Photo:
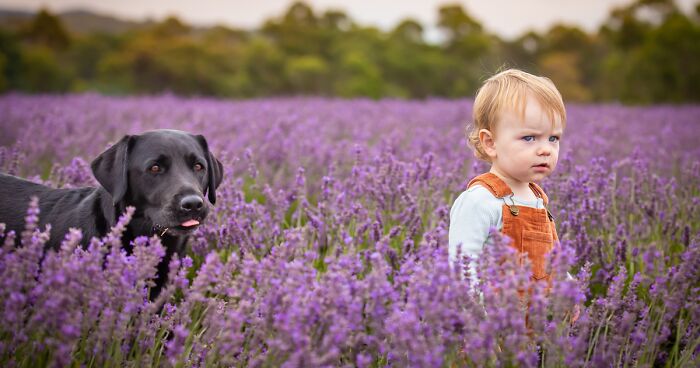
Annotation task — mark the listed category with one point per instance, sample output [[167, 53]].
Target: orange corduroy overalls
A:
[[531, 229]]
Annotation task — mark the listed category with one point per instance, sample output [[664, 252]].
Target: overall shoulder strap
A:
[[493, 183], [540, 193]]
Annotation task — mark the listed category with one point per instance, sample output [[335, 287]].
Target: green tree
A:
[[627, 26], [356, 63], [645, 52], [171, 27], [46, 29], [11, 69], [522, 51], [653, 54], [169, 57], [358, 76], [307, 74], [563, 69], [665, 68], [412, 67], [261, 70], [457, 22], [336, 20], [408, 31], [468, 47], [564, 55], [85, 55], [222, 36], [297, 32], [41, 71], [465, 35]]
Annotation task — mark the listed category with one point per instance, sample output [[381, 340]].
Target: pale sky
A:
[[506, 18]]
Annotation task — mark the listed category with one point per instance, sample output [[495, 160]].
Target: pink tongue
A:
[[189, 223]]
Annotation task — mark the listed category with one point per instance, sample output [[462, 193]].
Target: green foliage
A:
[[42, 71], [87, 52], [307, 74], [260, 74], [11, 64], [360, 77], [169, 60], [46, 29], [645, 52], [3, 80], [563, 68], [665, 67]]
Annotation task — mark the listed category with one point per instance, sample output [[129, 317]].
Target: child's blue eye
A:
[[553, 139], [529, 138]]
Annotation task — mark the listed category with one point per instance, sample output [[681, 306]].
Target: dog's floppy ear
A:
[[215, 173], [110, 168]]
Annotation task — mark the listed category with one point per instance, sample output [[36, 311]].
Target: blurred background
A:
[[636, 52]]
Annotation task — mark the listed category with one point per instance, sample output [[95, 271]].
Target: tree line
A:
[[645, 52]]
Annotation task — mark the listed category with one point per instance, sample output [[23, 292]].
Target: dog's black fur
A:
[[157, 172]]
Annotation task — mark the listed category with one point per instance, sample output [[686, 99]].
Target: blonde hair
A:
[[509, 90]]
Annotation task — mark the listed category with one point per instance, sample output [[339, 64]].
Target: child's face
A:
[[523, 143]]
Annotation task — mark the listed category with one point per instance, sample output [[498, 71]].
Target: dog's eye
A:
[[198, 167], [155, 169]]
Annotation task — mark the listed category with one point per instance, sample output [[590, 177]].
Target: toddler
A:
[[519, 120]]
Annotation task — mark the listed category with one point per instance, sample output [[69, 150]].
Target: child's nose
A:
[[544, 150]]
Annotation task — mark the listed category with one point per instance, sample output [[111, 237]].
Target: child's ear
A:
[[487, 142]]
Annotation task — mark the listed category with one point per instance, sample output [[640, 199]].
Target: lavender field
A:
[[328, 242]]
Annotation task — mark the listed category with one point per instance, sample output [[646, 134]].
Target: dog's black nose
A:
[[191, 203]]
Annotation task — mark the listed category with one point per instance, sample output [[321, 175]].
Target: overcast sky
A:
[[506, 18]]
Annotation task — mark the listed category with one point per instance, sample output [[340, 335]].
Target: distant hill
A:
[[13, 19], [76, 21], [84, 21]]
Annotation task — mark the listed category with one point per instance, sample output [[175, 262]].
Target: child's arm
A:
[[473, 214]]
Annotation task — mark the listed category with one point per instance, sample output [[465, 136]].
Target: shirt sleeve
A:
[[473, 214]]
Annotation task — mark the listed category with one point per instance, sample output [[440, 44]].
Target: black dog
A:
[[164, 174]]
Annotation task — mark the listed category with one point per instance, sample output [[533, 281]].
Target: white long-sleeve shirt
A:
[[473, 213]]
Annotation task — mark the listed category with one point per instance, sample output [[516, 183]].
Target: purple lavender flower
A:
[[327, 246]]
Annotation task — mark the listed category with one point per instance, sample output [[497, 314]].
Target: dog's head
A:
[[165, 175]]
